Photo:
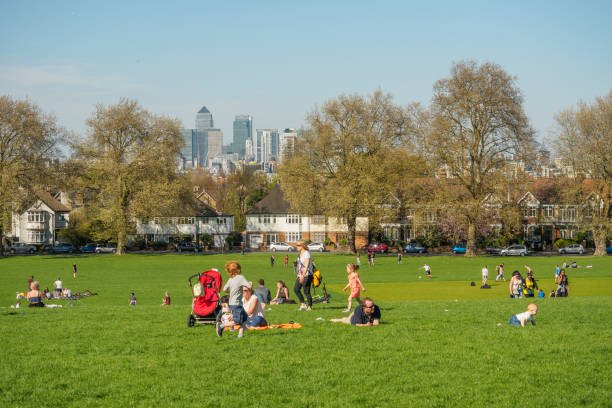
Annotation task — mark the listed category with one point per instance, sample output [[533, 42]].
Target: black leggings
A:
[[297, 288]]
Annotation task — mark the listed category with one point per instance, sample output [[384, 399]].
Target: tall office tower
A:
[[243, 130], [204, 119], [215, 142], [187, 150], [266, 145], [287, 143], [204, 122], [249, 154]]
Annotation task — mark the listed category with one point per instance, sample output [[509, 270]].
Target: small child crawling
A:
[[522, 318]]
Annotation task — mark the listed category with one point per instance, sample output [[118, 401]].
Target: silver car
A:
[[281, 246], [20, 248], [316, 247], [516, 250], [106, 249], [572, 249]]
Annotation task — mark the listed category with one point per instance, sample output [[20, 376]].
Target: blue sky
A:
[[277, 60]]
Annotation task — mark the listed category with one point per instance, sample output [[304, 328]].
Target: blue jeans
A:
[[514, 321], [256, 321], [238, 314]]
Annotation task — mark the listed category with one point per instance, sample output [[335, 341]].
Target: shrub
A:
[[562, 242], [158, 245], [328, 242], [343, 241]]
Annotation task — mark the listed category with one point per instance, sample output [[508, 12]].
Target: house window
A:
[[37, 236], [204, 220], [36, 216], [318, 219], [271, 238], [571, 213], [293, 219], [221, 221], [293, 236], [266, 219], [318, 237], [548, 211], [530, 212]]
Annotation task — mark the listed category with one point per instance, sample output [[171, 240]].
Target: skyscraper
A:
[[215, 142], [203, 123], [266, 145], [187, 150], [243, 130], [287, 143], [204, 119]]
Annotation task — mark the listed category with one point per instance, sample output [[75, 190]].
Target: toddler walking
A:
[[522, 318], [354, 283], [234, 286]]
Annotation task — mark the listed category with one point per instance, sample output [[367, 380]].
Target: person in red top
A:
[[286, 260], [166, 300], [30, 282]]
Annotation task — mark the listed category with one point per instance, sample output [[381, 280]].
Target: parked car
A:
[[517, 250], [414, 248], [376, 247], [459, 249], [62, 248], [88, 248], [281, 246], [572, 249], [188, 247], [609, 250], [20, 248], [106, 248], [493, 250], [316, 247]]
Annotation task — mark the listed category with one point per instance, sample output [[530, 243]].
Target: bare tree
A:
[[478, 121], [339, 168], [584, 138], [28, 141], [130, 158]]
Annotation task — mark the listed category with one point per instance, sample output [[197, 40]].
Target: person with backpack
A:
[[304, 277]]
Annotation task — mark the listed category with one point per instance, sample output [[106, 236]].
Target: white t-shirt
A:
[[234, 287], [58, 284], [304, 257], [426, 267], [485, 272], [258, 309], [526, 316]]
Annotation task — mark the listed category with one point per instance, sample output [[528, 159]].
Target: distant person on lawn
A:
[[132, 299], [366, 314], [304, 277], [166, 300], [354, 283], [282, 294], [500, 273], [34, 296], [427, 269], [485, 275], [58, 287]]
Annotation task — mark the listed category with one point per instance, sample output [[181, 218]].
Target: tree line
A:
[[358, 154]]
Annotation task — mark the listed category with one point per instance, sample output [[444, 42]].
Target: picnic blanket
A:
[[271, 326]]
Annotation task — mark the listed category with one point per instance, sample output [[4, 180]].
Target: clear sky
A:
[[277, 60]]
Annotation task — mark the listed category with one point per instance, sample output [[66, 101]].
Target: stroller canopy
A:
[[206, 302]]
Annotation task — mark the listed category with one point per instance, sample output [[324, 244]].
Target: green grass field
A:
[[438, 345]]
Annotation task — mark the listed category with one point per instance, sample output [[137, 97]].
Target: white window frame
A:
[[293, 236]]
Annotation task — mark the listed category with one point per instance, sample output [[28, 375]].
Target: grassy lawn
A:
[[439, 344]]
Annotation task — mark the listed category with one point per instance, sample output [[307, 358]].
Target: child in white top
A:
[[234, 286], [522, 318]]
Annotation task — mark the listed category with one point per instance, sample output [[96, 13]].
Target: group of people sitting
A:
[[524, 287], [35, 297]]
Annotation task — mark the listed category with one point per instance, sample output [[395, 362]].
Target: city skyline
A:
[[276, 63]]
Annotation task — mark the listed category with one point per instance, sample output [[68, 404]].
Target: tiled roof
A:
[[51, 202], [273, 203]]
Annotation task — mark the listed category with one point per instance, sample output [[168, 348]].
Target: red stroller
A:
[[205, 291]]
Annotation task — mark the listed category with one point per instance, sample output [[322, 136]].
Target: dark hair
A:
[[261, 282], [282, 283], [224, 299]]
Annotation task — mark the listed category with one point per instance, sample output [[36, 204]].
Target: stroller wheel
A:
[[190, 321]]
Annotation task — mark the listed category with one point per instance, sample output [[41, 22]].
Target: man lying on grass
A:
[[366, 314]]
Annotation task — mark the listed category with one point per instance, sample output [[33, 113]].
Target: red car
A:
[[376, 247]]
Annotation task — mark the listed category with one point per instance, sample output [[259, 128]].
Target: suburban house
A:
[[205, 221], [272, 220], [40, 221]]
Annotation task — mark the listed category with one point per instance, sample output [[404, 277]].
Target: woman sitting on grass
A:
[[34, 296], [282, 294], [253, 309]]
